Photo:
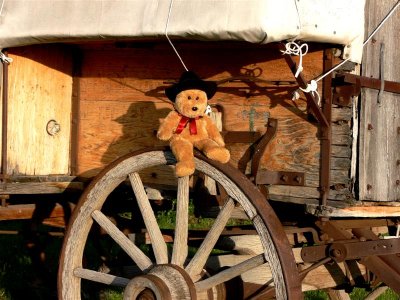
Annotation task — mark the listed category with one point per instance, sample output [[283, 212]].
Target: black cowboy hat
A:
[[189, 80]]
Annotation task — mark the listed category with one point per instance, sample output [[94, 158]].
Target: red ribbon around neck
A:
[[184, 121]]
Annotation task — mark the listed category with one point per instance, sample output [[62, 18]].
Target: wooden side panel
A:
[[379, 170], [40, 89], [121, 99]]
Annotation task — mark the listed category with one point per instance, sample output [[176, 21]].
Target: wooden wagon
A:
[[315, 184]]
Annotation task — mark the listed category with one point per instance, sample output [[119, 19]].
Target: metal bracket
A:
[[279, 177], [341, 251], [367, 82], [381, 71], [259, 151], [343, 91]]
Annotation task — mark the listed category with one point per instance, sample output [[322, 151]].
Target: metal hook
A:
[[381, 71]]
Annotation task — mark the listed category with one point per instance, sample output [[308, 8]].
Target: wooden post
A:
[[379, 156]]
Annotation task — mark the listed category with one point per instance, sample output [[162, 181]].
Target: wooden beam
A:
[[26, 211], [356, 211], [39, 187]]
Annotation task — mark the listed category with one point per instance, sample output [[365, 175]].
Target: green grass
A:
[[166, 219], [112, 295], [356, 294]]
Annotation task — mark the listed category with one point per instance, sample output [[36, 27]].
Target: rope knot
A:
[[5, 59], [292, 48], [311, 87]]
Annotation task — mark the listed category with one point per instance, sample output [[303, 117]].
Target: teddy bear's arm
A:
[[167, 127], [213, 132]]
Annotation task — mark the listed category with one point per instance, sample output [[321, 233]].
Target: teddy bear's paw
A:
[[164, 136], [219, 154], [184, 168]]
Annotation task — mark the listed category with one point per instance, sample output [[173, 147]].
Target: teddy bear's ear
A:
[[171, 92], [210, 88]]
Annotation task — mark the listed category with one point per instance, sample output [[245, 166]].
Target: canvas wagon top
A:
[[256, 21]]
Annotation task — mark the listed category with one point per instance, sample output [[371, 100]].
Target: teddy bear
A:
[[189, 126]]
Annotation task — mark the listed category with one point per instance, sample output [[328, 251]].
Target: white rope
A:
[[312, 88], [166, 35], [292, 48], [5, 59], [365, 42]]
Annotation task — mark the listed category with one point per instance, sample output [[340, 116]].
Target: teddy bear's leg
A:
[[183, 151], [212, 150]]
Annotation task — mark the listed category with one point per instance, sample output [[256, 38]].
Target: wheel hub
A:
[[164, 281]]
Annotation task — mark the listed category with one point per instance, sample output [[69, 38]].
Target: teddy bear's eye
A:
[[197, 98], [189, 97]]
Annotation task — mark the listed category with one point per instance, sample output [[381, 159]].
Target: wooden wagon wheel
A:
[[174, 276]]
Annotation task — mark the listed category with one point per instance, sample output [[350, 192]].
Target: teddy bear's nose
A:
[[194, 108]]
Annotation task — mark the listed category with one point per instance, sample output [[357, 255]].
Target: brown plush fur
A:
[[208, 139]]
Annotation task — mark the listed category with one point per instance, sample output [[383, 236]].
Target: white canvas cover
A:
[[24, 22]]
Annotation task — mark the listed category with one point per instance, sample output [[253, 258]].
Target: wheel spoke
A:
[[180, 248], [230, 273], [101, 277], [157, 240], [130, 248], [197, 263]]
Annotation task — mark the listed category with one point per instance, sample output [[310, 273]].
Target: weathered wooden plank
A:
[[26, 211], [342, 128], [39, 90], [307, 192], [341, 151], [380, 122], [39, 187], [341, 140], [329, 276], [341, 114], [339, 163], [326, 276], [337, 177], [358, 211], [43, 178]]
